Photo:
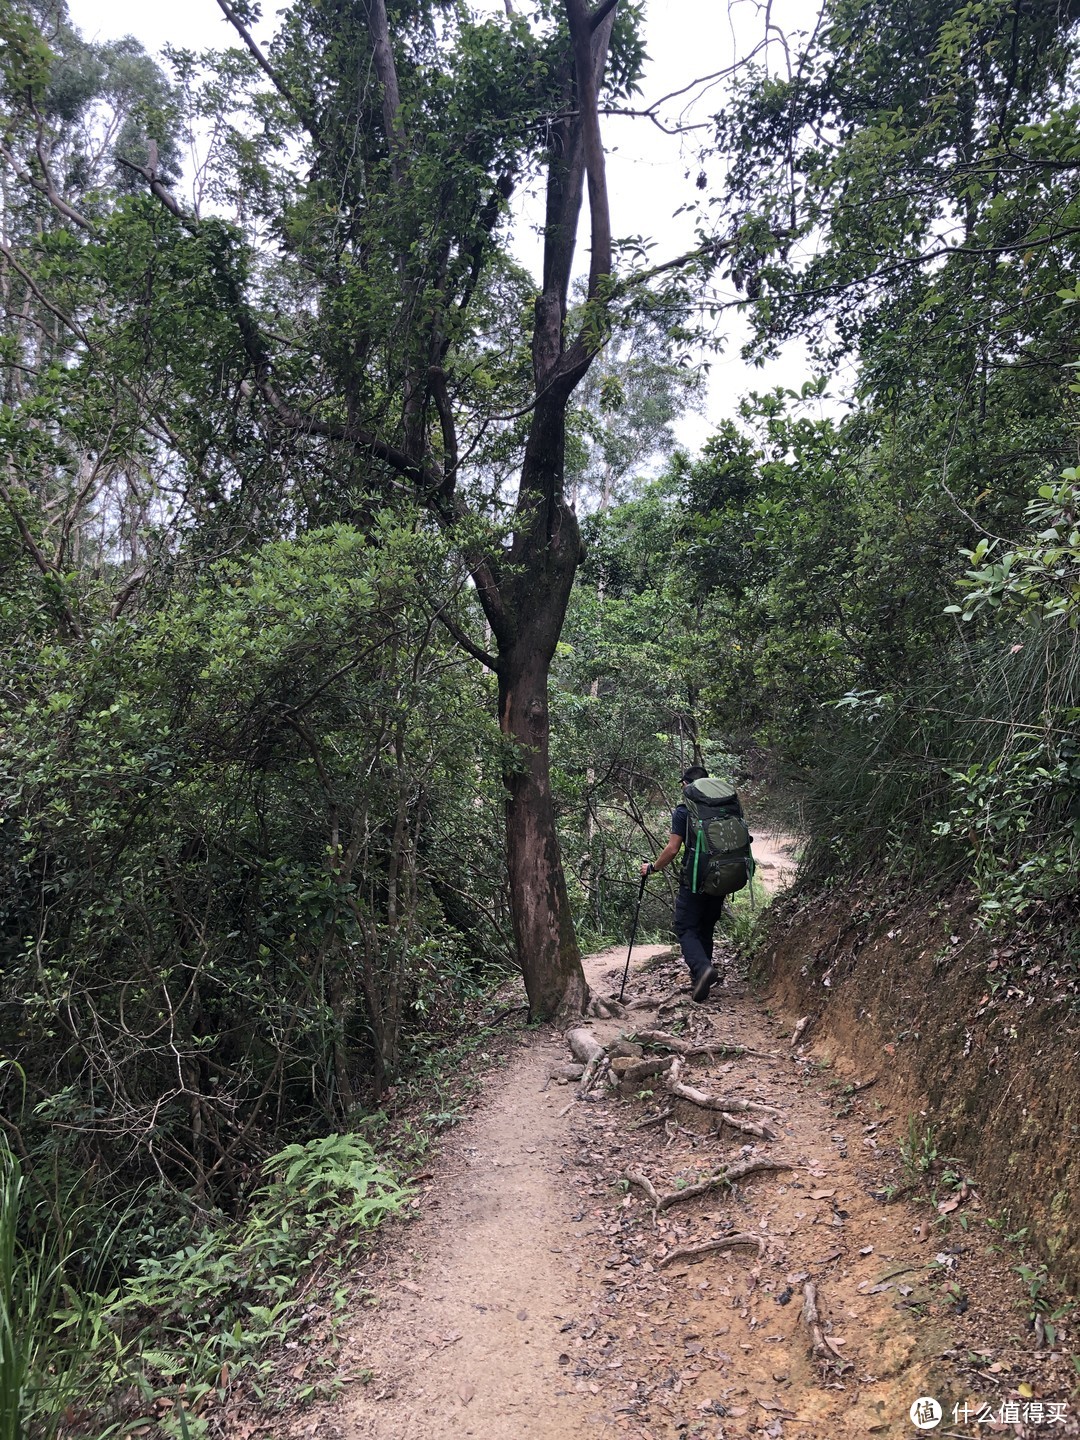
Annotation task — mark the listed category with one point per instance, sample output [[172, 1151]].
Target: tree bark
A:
[[547, 548], [544, 558]]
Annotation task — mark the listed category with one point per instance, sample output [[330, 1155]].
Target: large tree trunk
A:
[[543, 927], [543, 559]]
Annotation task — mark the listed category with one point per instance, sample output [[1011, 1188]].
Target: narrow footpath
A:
[[549, 1287]]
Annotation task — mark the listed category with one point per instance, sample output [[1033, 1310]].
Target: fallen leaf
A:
[[452, 1336], [466, 1391], [822, 1194], [946, 1207]]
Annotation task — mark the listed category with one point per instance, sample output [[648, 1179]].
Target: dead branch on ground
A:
[[813, 1323], [825, 1351], [657, 1119]]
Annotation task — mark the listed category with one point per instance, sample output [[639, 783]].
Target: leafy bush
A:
[[183, 1323], [247, 838]]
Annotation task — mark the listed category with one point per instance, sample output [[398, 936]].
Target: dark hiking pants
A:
[[696, 917]]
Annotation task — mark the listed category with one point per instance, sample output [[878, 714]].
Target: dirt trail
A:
[[530, 1301], [469, 1331]]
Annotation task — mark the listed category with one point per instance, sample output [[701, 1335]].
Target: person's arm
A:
[[667, 854]]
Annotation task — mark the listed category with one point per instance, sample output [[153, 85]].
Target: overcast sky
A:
[[647, 169]]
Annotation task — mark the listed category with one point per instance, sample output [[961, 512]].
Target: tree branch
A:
[[43, 299], [47, 188], [462, 638], [386, 70], [302, 113], [43, 563]]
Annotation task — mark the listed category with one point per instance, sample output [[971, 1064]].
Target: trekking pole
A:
[[633, 934]]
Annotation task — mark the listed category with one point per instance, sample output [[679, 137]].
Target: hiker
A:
[[709, 821]]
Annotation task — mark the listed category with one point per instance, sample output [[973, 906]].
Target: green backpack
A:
[[718, 859]]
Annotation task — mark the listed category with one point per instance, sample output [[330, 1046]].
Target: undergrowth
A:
[[115, 1319], [102, 1352]]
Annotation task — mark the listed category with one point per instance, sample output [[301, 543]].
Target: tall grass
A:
[[974, 768], [30, 1279], [12, 1355], [86, 1333]]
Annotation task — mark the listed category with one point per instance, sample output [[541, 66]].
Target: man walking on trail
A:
[[697, 913]]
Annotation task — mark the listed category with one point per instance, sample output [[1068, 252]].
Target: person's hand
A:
[[647, 868]]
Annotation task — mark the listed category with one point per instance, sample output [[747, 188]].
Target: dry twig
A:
[[813, 1322]]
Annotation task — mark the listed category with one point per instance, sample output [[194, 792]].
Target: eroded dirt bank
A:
[[538, 1294], [978, 1040]]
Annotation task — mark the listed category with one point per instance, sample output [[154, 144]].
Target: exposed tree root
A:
[[605, 1009], [748, 1127], [729, 1104], [565, 1071], [722, 1242], [635, 1177], [634, 1070], [722, 1178], [585, 1047], [688, 1049], [797, 1033]]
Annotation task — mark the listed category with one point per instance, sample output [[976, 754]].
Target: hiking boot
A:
[[703, 984]]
